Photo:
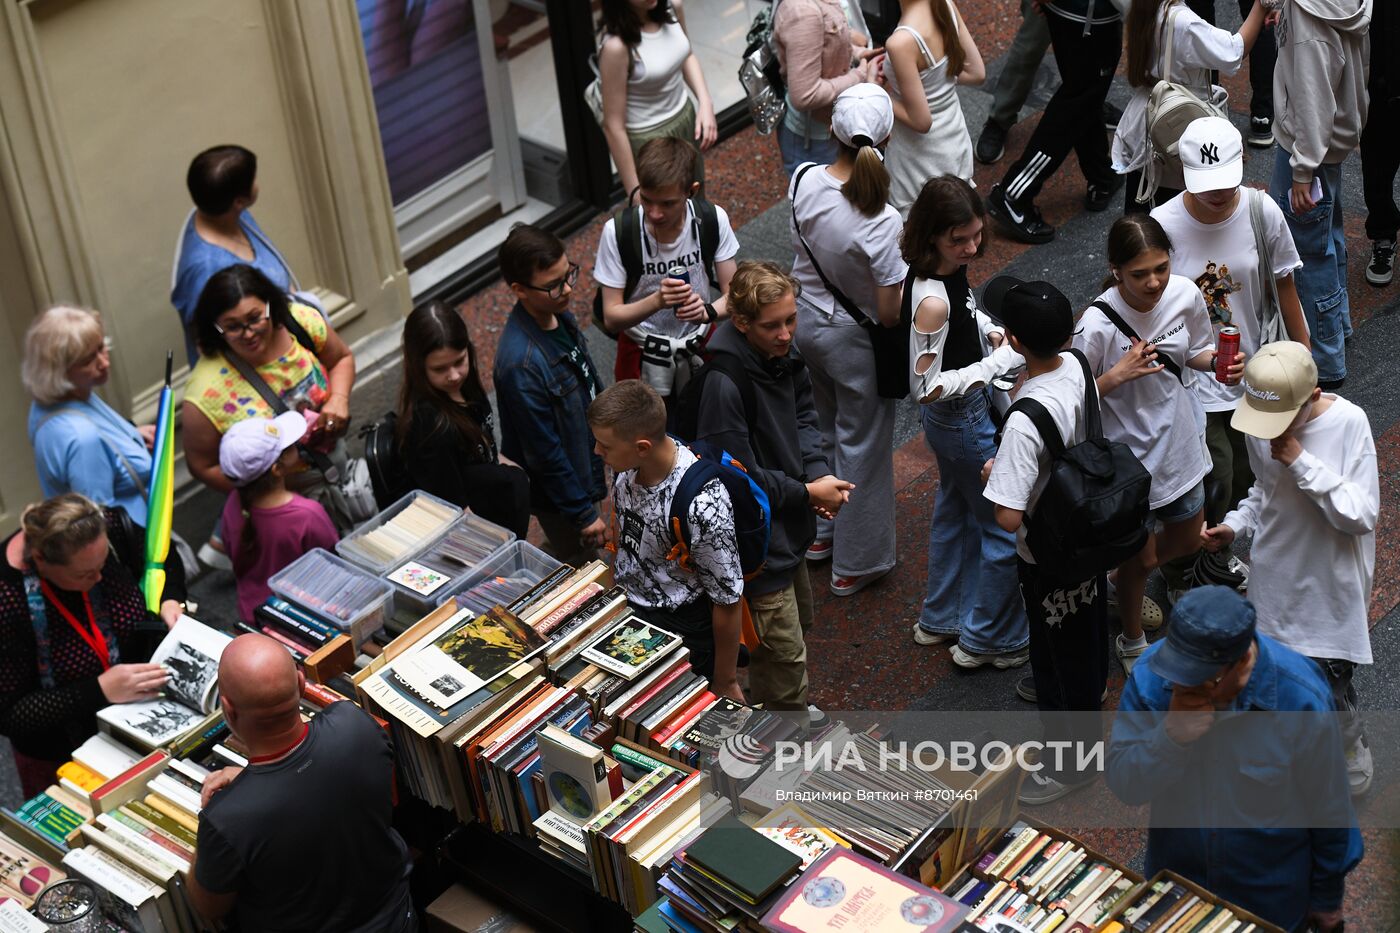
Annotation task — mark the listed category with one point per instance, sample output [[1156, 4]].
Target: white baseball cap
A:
[[252, 446], [1212, 155], [862, 112]]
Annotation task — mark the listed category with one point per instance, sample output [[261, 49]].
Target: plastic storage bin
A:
[[379, 554], [517, 567], [337, 591], [421, 582]]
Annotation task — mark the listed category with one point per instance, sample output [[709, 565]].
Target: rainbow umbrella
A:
[[161, 506]]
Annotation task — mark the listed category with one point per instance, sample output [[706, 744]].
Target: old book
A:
[[129, 898], [631, 647], [472, 651], [15, 919], [846, 890], [790, 827], [743, 859], [104, 755]]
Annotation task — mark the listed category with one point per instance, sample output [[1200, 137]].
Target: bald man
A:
[[301, 838]]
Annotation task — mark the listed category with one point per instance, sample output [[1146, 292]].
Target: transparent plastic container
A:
[[336, 590], [505, 576], [356, 546], [421, 582]]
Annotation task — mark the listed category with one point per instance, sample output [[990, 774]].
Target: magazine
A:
[[472, 651]]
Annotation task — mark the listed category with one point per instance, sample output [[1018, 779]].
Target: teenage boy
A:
[[661, 321], [756, 403], [545, 380], [1087, 36], [1316, 482], [700, 603], [1320, 104], [1068, 625]]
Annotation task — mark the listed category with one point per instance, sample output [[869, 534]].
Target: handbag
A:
[[761, 75], [1171, 108], [1272, 328], [349, 491], [890, 344]]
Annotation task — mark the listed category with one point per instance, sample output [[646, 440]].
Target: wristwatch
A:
[[711, 313]]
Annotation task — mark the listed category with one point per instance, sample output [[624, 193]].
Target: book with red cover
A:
[[862, 896]]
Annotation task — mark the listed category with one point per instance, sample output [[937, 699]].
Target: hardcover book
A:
[[860, 896], [630, 647], [575, 774]]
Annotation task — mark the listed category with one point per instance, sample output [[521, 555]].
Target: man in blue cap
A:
[[1203, 737]]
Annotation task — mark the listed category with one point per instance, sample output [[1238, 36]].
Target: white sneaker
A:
[[1127, 656], [972, 660], [1360, 768], [212, 557], [923, 637]]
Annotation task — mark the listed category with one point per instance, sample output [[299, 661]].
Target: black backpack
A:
[[386, 470], [1093, 513], [629, 247], [685, 417]]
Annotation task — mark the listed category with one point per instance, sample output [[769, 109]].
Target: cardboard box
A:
[[462, 910], [1263, 926]]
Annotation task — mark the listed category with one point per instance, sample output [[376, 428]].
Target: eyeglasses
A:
[[555, 290], [247, 327]]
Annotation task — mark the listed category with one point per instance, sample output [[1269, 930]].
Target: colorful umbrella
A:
[[161, 507]]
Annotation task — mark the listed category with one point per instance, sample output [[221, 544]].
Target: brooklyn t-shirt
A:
[[644, 539]]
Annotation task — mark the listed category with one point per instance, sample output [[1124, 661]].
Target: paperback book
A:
[[630, 647]]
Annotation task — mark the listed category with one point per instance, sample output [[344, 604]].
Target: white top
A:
[[946, 148], [1157, 417], [644, 540], [857, 253], [656, 88], [1021, 472], [926, 347], [1314, 524], [657, 257], [1224, 263], [1198, 48]]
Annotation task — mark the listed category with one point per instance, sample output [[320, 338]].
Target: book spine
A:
[[684, 720], [155, 801], [290, 626], [300, 652], [304, 616]]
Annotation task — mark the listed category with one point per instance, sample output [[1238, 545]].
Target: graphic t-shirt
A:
[[1021, 470], [297, 376], [577, 358], [1157, 417], [657, 257], [644, 539], [1223, 262]]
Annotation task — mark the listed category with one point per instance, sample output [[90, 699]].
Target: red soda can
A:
[[1225, 352]]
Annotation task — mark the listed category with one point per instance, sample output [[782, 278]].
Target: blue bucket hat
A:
[[1211, 626]]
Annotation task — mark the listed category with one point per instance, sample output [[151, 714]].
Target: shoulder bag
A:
[[1271, 320]]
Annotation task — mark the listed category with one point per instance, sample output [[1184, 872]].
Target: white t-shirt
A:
[[1021, 470], [1155, 415], [644, 539], [1314, 552], [657, 258], [857, 253], [1224, 263]]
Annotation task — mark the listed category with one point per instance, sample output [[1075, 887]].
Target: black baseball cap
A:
[[1038, 313]]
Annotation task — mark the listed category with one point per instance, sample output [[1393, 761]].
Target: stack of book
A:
[[843, 890], [1171, 904], [189, 702], [24, 875], [1043, 880], [398, 532], [301, 632], [320, 586], [53, 815]]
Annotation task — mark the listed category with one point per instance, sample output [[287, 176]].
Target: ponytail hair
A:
[[868, 188], [245, 550], [1130, 236]]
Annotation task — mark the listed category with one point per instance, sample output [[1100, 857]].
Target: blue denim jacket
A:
[[543, 406], [1233, 787]]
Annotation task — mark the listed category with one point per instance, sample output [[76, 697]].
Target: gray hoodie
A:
[[1320, 81], [783, 449]]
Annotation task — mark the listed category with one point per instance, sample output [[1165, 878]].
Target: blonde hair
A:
[[868, 188], [57, 528], [756, 284], [57, 339], [631, 408]]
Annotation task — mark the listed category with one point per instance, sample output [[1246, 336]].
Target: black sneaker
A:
[[1382, 267], [1261, 132], [1025, 689], [991, 145], [1023, 224], [1099, 197], [1111, 116], [1220, 568]]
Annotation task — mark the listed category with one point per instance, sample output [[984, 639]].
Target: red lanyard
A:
[[92, 634], [263, 759]]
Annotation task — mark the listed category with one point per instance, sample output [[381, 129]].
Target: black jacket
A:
[[783, 448]]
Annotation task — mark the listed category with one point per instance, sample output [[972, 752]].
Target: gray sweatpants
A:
[[857, 438], [1019, 68]]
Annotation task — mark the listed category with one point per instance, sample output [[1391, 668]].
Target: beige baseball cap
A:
[[1278, 380]]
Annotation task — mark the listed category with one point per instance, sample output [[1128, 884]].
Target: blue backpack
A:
[[752, 514]]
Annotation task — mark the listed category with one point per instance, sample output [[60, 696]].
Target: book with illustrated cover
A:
[[630, 647], [472, 651], [790, 827], [575, 774], [190, 655], [865, 896]]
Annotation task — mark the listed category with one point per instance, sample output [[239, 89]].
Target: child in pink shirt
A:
[[267, 526]]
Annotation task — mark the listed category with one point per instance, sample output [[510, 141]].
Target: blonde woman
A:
[[80, 443]]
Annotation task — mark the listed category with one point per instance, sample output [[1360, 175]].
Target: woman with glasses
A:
[[73, 624], [255, 344]]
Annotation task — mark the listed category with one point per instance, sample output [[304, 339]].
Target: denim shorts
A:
[[1183, 507]]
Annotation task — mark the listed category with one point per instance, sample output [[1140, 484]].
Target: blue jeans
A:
[[1322, 282], [796, 150], [973, 590]]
